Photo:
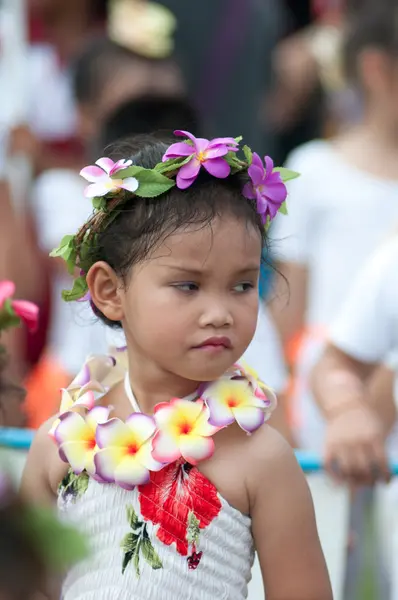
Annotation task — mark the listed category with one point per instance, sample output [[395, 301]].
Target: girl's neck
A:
[[151, 385]]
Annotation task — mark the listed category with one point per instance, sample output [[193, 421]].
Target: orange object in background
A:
[[43, 387]]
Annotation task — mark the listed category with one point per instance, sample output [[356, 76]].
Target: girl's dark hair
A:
[[144, 223], [370, 23]]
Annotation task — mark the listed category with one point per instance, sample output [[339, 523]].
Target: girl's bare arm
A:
[[284, 528]]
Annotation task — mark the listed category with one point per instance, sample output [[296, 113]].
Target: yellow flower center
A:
[[114, 184], [201, 157]]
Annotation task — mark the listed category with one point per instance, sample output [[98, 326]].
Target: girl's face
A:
[[191, 308]]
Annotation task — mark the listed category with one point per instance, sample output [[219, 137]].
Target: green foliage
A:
[[8, 318], [138, 543], [173, 164], [286, 174], [248, 155], [79, 290], [59, 544]]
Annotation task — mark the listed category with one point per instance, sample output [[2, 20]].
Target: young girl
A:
[[161, 476]]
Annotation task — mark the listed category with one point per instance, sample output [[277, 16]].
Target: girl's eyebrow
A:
[[249, 269]]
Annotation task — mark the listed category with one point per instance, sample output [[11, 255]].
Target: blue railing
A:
[[21, 439]]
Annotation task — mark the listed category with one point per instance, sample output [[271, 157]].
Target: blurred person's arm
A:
[[362, 337]]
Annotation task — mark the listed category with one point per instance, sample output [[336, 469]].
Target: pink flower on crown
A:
[[208, 154], [26, 311], [101, 177], [266, 187]]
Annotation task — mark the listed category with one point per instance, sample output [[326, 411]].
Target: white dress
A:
[[174, 537]]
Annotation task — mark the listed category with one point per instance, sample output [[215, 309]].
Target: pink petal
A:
[[188, 173], [96, 190], [106, 164], [183, 184], [256, 174], [28, 312], [195, 448], [92, 173], [190, 136], [223, 141], [130, 184], [177, 150], [212, 153], [220, 414], [249, 418], [248, 191], [113, 433], [201, 145], [119, 165], [217, 167], [130, 472], [7, 290], [257, 162], [276, 192], [165, 448], [269, 165]]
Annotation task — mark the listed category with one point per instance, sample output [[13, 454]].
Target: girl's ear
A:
[[104, 286]]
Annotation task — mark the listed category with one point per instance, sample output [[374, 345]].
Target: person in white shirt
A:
[[364, 335], [361, 416], [340, 209]]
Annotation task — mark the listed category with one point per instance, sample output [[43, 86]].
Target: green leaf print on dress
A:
[[73, 486], [137, 544]]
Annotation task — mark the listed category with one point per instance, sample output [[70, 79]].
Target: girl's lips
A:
[[216, 343]]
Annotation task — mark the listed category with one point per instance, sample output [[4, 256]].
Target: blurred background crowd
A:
[[312, 83], [77, 75]]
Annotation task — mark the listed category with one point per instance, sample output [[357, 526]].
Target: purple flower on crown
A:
[[208, 154], [101, 175], [266, 187]]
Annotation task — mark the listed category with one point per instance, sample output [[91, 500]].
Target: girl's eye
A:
[[187, 286], [243, 287]]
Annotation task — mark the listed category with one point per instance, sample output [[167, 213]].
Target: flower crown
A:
[[114, 184]]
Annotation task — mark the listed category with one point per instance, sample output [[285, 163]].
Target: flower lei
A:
[[114, 184], [124, 453]]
